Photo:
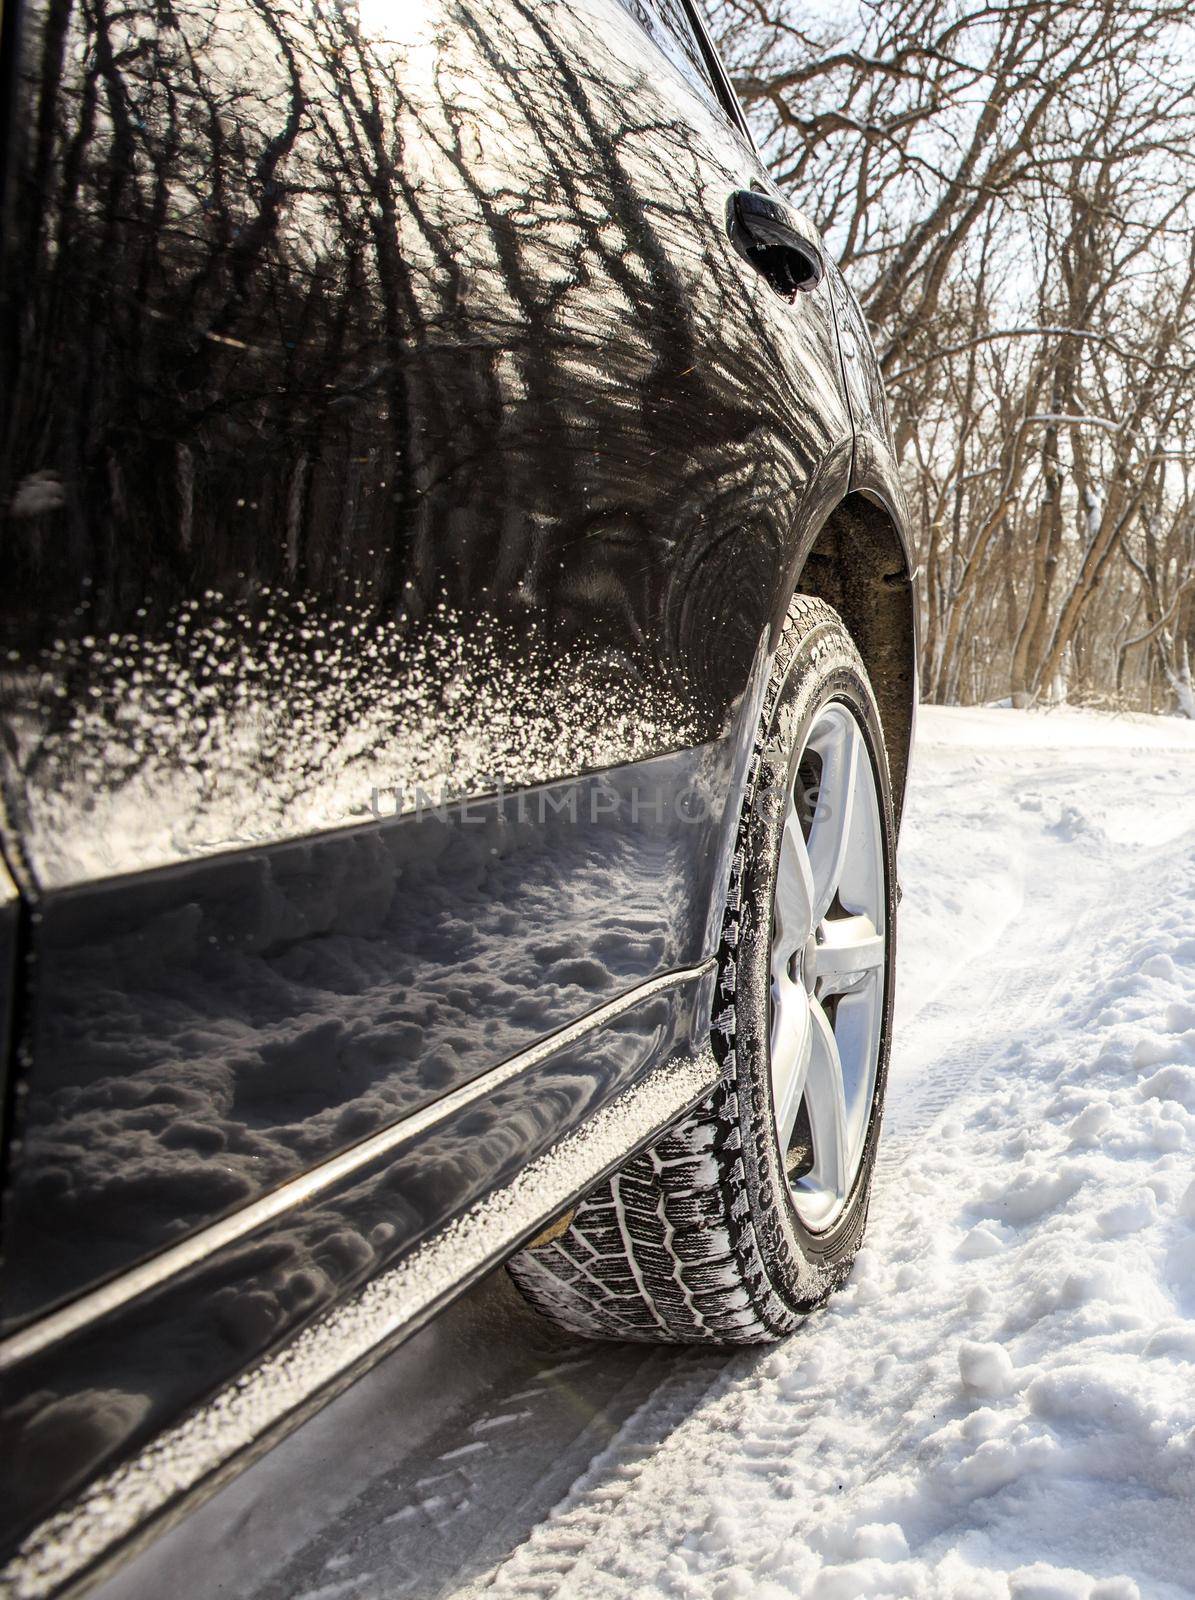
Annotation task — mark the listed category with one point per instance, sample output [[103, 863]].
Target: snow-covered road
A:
[[1000, 1404]]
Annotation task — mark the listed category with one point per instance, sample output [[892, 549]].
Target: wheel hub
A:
[[809, 963]]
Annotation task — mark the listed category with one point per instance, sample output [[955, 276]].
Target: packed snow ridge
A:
[[1002, 1402]]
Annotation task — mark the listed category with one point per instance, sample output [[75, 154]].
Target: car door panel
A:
[[87, 1394], [205, 1033], [571, 439], [388, 412]]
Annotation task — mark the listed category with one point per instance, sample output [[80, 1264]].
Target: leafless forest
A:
[[1010, 188]]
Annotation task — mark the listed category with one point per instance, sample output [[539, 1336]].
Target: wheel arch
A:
[[859, 564]]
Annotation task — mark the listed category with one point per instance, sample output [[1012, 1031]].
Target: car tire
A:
[[742, 1218]]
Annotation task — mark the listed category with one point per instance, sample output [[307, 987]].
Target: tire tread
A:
[[666, 1249]]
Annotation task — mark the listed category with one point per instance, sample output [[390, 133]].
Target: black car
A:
[[458, 677]]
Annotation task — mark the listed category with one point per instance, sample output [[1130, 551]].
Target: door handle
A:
[[768, 235]]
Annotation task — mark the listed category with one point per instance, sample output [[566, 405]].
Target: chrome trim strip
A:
[[87, 1538], [161, 1268]]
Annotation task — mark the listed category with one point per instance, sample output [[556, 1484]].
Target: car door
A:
[[390, 431]]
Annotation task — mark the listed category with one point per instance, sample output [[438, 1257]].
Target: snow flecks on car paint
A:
[[229, 725]]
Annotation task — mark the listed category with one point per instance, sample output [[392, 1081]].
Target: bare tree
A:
[[1011, 193]]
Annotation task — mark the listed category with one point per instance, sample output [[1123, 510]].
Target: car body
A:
[[404, 479]]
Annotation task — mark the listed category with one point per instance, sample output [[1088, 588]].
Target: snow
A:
[[1001, 1403], [225, 728]]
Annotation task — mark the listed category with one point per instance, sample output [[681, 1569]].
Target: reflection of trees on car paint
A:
[[333, 369]]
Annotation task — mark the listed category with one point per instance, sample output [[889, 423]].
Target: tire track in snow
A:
[[950, 1045]]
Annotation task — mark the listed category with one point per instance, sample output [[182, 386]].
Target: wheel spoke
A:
[[792, 918], [856, 1031], [848, 949], [825, 1102], [790, 1049], [829, 835]]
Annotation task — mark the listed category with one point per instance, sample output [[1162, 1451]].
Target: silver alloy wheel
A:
[[827, 966]]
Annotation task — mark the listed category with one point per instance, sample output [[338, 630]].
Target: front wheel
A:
[[749, 1212]]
